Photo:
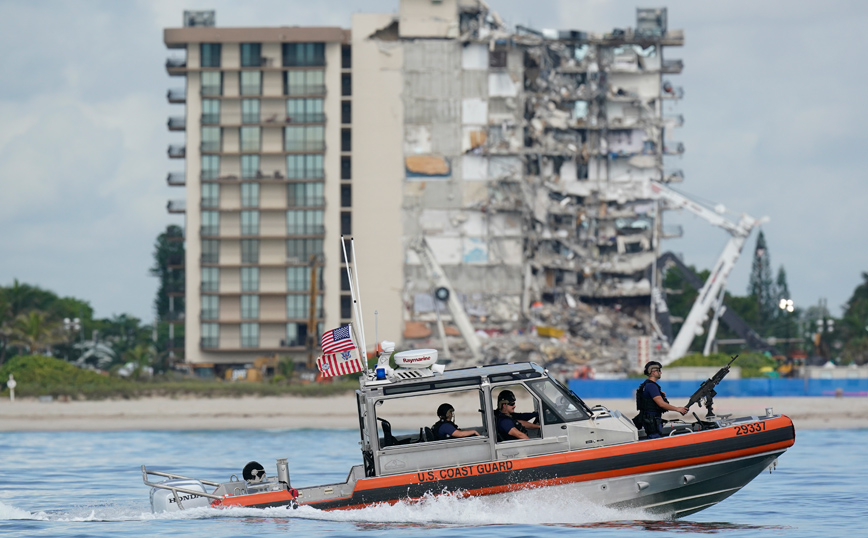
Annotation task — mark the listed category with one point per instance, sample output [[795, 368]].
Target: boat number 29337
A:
[[753, 427]]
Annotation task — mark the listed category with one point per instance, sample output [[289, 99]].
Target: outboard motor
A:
[[164, 500]]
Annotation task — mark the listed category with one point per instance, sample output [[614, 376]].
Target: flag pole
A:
[[358, 301], [362, 353]]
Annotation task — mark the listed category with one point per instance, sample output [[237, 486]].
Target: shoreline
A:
[[339, 412]]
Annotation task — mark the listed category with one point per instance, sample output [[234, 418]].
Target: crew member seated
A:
[[512, 425], [651, 402], [445, 428]]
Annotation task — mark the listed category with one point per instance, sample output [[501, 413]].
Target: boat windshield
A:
[[559, 405]]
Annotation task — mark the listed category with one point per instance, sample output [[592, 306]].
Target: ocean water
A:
[[90, 484]]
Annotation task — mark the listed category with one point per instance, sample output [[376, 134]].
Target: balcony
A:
[[251, 89], [673, 148], [177, 96], [306, 89], [672, 231], [672, 66], [177, 123], [177, 151], [210, 91], [210, 119], [175, 288], [308, 117], [177, 206], [209, 342], [209, 230], [250, 117], [670, 121], [176, 179], [174, 316], [176, 66], [304, 145], [210, 146]]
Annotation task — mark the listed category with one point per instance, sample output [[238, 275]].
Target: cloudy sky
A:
[[775, 125]]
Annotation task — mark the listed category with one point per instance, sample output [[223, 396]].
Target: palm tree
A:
[[35, 331]]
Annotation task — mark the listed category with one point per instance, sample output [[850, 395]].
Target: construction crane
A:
[[444, 292], [712, 292]]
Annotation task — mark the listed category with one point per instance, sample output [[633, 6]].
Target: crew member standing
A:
[[651, 402]]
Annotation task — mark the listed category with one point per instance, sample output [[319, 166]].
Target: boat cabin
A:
[[566, 422]]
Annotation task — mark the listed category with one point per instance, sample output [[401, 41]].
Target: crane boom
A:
[[439, 279], [714, 285]]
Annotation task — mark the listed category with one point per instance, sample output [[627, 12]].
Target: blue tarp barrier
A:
[[625, 388]]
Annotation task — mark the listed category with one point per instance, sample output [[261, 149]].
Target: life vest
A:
[[646, 406], [505, 435], [436, 429]]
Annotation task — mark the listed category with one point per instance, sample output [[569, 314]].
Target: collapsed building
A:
[[525, 155]]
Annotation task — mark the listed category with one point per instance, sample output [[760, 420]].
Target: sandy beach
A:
[[340, 412]]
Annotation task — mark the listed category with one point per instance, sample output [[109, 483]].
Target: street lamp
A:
[[71, 325], [787, 305]]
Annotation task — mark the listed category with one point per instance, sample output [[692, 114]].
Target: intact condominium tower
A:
[[267, 143], [517, 159]]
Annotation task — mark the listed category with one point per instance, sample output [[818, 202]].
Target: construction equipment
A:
[[711, 294], [445, 292]]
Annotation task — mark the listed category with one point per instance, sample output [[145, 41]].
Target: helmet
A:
[[505, 396], [649, 365], [444, 409]]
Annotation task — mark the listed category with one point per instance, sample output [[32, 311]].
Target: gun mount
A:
[[706, 390]]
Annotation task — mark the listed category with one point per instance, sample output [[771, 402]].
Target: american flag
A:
[[337, 340], [342, 363]]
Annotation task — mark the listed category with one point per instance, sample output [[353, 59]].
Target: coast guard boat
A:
[[597, 450]]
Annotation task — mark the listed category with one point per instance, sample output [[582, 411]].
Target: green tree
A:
[[168, 254], [35, 331], [761, 287], [854, 325]]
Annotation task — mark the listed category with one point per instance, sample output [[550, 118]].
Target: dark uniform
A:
[[443, 429], [505, 423], [650, 414]]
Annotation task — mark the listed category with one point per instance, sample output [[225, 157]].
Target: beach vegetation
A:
[[751, 364]]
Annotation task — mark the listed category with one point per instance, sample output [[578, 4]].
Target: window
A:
[[301, 249], [250, 166], [298, 306], [251, 54], [304, 138], [346, 84], [251, 83], [250, 139], [250, 279], [249, 335], [212, 83], [210, 335], [304, 83], [210, 251], [346, 307], [210, 111], [304, 166], [497, 58], [250, 111], [296, 334], [210, 54], [304, 110], [298, 278], [210, 279], [558, 405], [210, 223], [211, 139], [346, 57], [345, 281], [467, 402], [346, 140], [304, 222], [346, 111], [346, 168], [305, 195], [249, 307], [250, 251], [303, 54], [210, 166], [346, 223], [250, 195], [250, 223], [210, 195], [210, 306], [346, 196]]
